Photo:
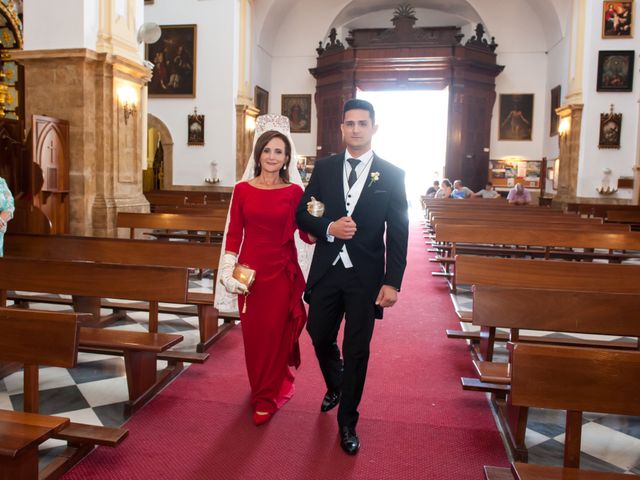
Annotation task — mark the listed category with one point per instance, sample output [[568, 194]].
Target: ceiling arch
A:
[[546, 28]]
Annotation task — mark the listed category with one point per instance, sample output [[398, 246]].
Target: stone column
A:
[[571, 112], [88, 89], [569, 138]]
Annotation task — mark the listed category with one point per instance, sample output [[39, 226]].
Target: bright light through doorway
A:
[[412, 134]]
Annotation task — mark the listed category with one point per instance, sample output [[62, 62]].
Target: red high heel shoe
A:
[[261, 418]]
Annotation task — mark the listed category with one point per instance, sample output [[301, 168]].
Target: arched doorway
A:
[[159, 167]]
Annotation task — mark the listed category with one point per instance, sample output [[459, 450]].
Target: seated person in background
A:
[[487, 192], [460, 191], [445, 189], [431, 191], [519, 195]]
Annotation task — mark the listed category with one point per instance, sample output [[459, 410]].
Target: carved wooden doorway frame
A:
[[408, 58]]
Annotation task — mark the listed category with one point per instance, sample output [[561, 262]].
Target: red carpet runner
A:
[[415, 423]]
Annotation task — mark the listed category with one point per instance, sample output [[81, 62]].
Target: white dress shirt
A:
[[352, 195]]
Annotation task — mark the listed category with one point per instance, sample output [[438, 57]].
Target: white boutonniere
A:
[[375, 176]]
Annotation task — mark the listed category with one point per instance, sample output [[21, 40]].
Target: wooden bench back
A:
[[548, 274], [131, 282], [171, 221], [629, 216], [36, 337], [577, 379], [510, 216], [544, 238], [113, 250], [200, 210], [189, 197], [538, 224], [557, 310]]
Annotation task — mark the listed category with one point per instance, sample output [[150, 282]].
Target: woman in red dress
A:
[[261, 229]]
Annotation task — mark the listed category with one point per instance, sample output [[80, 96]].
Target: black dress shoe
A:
[[349, 440], [330, 400]]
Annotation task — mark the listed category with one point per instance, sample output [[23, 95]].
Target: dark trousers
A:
[[340, 293]]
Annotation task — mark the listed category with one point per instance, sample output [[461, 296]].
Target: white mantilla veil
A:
[[224, 301]]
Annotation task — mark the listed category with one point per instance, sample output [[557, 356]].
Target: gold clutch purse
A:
[[244, 275], [315, 207]]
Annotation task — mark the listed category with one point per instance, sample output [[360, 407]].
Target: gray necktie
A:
[[353, 176]]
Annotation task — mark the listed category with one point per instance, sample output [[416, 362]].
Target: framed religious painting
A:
[[554, 119], [617, 19], [195, 127], [261, 100], [615, 71], [516, 116], [610, 126], [298, 109], [174, 62]]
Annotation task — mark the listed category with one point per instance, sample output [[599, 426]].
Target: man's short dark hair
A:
[[358, 104], [490, 184]]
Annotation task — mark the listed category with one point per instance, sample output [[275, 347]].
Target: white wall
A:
[[216, 70], [61, 24], [592, 159]]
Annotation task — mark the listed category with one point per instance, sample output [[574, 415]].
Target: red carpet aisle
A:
[[416, 422]]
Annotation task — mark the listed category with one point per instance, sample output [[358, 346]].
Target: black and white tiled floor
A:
[[610, 443], [95, 392]]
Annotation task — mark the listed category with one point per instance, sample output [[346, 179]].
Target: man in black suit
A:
[[363, 196]]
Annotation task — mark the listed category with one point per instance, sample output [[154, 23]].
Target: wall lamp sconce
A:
[[128, 99], [565, 126]]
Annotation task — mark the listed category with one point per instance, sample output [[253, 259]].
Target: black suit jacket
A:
[[382, 206]]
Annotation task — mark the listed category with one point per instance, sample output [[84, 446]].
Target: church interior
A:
[[513, 348]]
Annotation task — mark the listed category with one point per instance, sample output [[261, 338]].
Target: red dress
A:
[[262, 226]]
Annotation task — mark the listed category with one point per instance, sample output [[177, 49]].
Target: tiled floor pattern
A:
[[95, 392], [609, 442]]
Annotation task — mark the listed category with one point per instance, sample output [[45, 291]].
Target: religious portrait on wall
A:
[[195, 126], [174, 62], [610, 126], [298, 109], [554, 119], [615, 71], [516, 116], [617, 19], [261, 100]]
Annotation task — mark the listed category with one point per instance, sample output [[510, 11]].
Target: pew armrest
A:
[[93, 434]]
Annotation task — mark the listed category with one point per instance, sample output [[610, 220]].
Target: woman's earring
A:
[[285, 167]]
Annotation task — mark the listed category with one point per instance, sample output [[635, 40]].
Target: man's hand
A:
[[387, 297], [344, 228]]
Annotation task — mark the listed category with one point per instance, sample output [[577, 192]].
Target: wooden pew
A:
[[49, 339], [88, 282], [548, 244], [130, 252], [206, 228], [599, 209], [522, 273], [564, 311], [215, 196], [575, 380], [525, 223], [630, 217]]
